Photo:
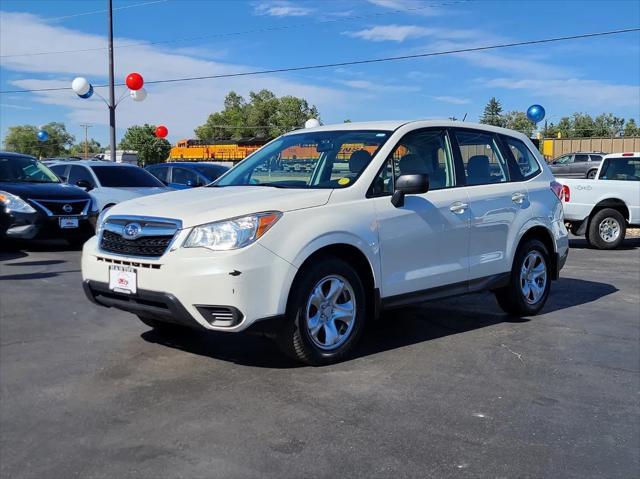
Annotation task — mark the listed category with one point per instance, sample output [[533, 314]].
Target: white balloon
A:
[[80, 85], [138, 95], [311, 123]]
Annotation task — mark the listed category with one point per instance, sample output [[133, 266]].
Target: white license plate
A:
[[68, 222], [123, 279]]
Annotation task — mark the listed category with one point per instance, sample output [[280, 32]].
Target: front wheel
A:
[[607, 229], [325, 314], [529, 282]]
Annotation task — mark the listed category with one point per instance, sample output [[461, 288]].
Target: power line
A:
[[242, 32], [360, 62], [64, 17]]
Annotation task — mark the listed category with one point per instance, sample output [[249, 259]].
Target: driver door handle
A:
[[458, 207], [518, 198]]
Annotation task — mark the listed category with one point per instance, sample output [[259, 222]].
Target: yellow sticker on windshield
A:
[[343, 181]]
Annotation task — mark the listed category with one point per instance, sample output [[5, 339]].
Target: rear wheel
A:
[[326, 313], [591, 174], [607, 229], [529, 282]]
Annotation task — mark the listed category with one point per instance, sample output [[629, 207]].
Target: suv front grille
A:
[[150, 239], [143, 246], [63, 207]]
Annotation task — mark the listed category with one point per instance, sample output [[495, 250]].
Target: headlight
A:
[[231, 234], [14, 203], [100, 221]]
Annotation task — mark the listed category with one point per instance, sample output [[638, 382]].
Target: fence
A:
[[554, 147]]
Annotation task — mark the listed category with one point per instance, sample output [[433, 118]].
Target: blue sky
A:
[[594, 75]]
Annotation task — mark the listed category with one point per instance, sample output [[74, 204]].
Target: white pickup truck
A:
[[602, 208]]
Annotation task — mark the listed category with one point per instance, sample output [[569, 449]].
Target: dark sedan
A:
[[35, 204]]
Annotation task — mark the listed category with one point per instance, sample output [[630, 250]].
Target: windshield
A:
[[24, 169], [625, 169], [125, 177], [328, 159], [211, 172]]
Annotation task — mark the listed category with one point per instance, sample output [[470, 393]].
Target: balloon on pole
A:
[[311, 123], [88, 94], [134, 81], [535, 113], [81, 86], [42, 135], [161, 131], [138, 95]]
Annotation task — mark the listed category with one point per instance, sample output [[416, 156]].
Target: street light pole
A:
[[112, 95]]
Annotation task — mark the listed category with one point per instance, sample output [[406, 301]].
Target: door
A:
[[423, 244], [498, 204], [562, 165], [579, 166]]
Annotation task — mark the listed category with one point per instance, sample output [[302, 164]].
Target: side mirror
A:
[[409, 185], [84, 184]]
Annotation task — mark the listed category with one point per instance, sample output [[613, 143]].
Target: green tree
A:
[[631, 129], [264, 115], [92, 147], [517, 120], [24, 139], [492, 114], [143, 140]]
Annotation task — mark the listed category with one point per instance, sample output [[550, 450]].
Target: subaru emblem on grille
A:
[[67, 208], [131, 231]]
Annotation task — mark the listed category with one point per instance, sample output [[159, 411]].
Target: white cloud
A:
[[451, 99], [575, 91], [14, 106], [282, 8], [377, 87], [400, 33], [181, 106], [413, 6]]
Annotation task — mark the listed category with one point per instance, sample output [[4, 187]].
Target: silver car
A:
[[577, 165], [109, 183]]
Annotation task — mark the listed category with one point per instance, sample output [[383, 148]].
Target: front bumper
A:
[[190, 285], [38, 225]]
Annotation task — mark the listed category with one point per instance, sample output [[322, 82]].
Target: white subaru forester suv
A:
[[323, 228]]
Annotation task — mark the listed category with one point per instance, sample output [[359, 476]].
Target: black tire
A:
[[600, 235], [161, 326], [296, 340], [591, 174], [511, 298]]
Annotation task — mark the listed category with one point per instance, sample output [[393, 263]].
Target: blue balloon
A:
[[88, 94], [43, 135], [535, 113]]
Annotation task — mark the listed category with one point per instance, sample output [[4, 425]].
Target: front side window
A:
[[125, 177], [160, 172], [183, 176], [25, 170], [526, 162], [58, 170], [326, 159], [625, 169], [563, 160], [483, 163], [77, 173]]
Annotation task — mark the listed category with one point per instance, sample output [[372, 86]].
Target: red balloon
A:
[[161, 131], [134, 81]]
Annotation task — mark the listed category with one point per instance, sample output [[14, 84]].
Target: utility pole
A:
[[86, 141], [112, 99]]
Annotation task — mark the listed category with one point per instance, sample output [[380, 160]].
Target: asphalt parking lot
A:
[[450, 389]]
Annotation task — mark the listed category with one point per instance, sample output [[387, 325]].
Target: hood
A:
[[44, 190], [197, 206]]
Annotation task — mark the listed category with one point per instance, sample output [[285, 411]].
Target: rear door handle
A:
[[458, 207], [518, 198]]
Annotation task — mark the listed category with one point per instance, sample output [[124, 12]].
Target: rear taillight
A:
[[565, 195], [556, 188]]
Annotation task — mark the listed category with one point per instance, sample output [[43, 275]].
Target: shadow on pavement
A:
[[49, 262], [581, 243], [395, 329]]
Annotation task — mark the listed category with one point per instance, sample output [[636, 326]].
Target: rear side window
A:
[[160, 172], [183, 176], [582, 158], [621, 169], [58, 170], [483, 163], [125, 177], [526, 162], [77, 173], [595, 157]]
